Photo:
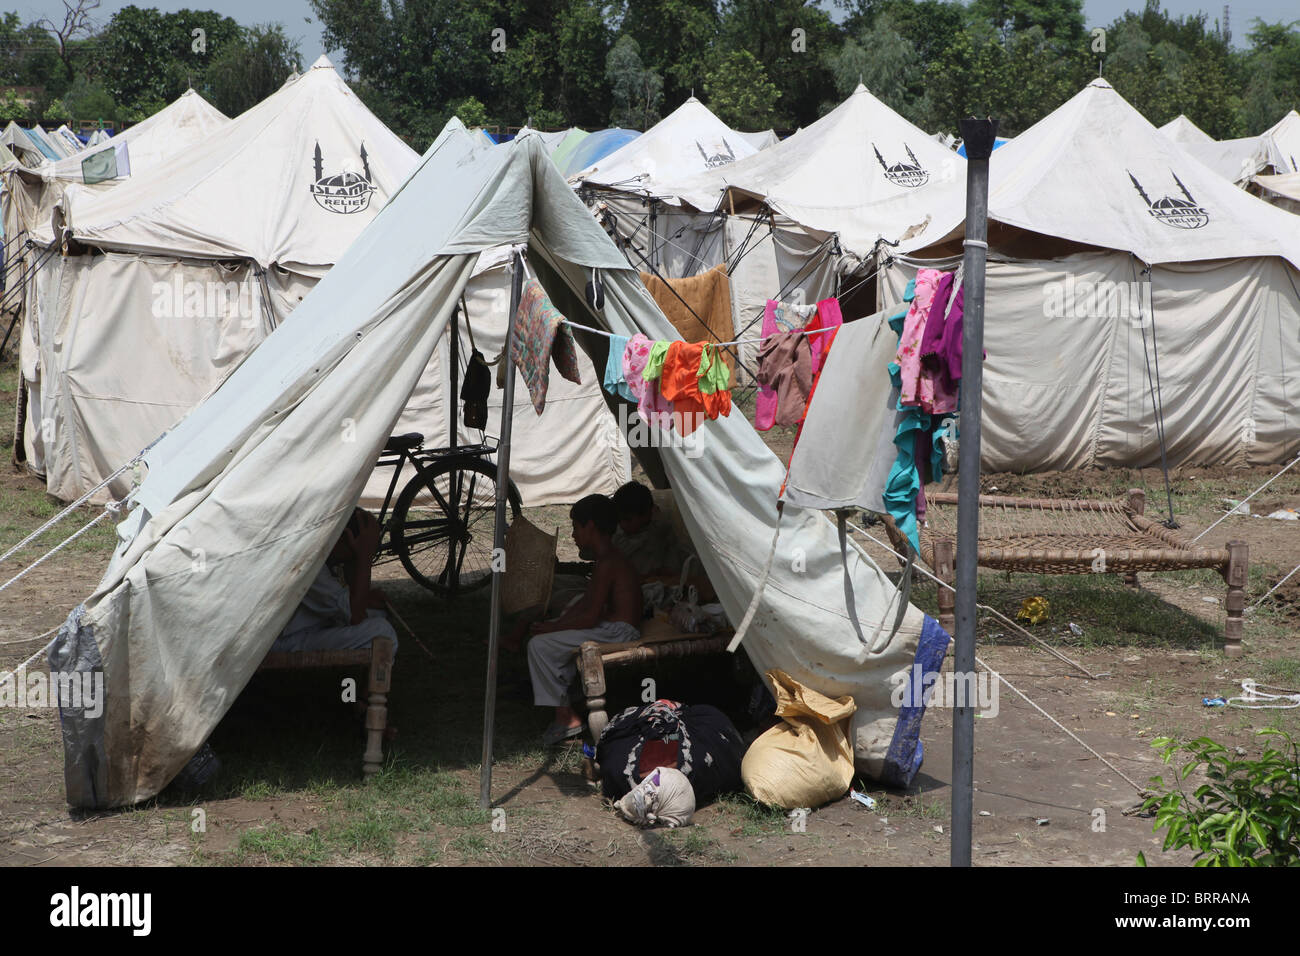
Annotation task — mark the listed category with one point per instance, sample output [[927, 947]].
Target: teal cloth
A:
[[904, 480], [614, 381]]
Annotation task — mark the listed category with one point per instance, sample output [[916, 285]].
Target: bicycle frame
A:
[[422, 458]]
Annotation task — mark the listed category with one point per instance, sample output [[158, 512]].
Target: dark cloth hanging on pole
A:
[[979, 136]]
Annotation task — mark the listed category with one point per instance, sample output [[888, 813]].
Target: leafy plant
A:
[[1248, 814]]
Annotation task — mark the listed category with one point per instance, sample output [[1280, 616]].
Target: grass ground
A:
[[290, 791]]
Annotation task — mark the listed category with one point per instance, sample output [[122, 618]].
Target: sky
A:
[[299, 21]]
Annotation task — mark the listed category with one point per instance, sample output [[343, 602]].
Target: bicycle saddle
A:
[[400, 443]]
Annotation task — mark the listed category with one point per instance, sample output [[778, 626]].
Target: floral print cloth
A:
[[540, 337], [917, 389], [651, 405]]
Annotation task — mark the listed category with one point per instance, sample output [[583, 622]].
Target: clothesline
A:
[[588, 328]]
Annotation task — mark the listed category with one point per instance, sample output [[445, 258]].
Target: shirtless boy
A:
[[609, 611]]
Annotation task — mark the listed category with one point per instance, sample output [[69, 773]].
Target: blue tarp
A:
[[596, 147]]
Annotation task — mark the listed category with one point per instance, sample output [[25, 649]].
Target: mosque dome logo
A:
[[344, 192], [716, 155], [1180, 212], [910, 174]]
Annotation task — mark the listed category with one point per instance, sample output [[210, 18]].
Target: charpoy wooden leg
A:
[[1137, 503], [381, 677], [591, 666], [1238, 565], [944, 570]]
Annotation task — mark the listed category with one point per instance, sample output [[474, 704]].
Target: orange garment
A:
[[680, 384]]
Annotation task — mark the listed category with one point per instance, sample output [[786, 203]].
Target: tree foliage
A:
[[590, 63], [739, 93]]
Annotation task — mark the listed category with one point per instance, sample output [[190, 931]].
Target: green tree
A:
[[1061, 21], [675, 39], [553, 63], [888, 65], [739, 92], [637, 90], [471, 112], [148, 58], [1273, 66], [1165, 65], [794, 40], [251, 68], [411, 61], [29, 56]]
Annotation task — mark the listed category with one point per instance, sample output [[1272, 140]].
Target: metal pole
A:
[[978, 136], [499, 534], [453, 402]]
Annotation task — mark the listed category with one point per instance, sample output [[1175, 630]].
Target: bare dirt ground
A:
[[291, 791]]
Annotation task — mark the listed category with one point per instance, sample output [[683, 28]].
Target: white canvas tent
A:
[[688, 141], [862, 172], [54, 151], [1275, 151], [69, 139], [203, 258], [257, 479], [1282, 191], [1182, 130], [140, 150], [21, 145], [1283, 144], [190, 283], [1120, 283], [762, 139]]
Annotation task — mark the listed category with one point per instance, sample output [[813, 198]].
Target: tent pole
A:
[[453, 398], [499, 534], [979, 137]]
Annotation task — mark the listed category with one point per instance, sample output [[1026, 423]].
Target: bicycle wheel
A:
[[442, 525]]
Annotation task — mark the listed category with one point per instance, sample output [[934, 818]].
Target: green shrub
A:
[[1248, 814]]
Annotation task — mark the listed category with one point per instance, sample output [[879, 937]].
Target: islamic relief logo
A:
[[345, 192], [910, 174], [1181, 213], [718, 157]]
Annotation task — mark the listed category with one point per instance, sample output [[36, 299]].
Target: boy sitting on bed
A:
[[609, 611]]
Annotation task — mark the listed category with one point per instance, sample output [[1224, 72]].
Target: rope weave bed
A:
[[1051, 536], [1048, 536]]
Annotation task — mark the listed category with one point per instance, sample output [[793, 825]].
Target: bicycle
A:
[[441, 526]]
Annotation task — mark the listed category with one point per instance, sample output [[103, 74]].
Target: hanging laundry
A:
[[654, 364], [540, 337], [651, 405], [914, 389], [941, 348], [615, 381], [715, 376], [699, 307], [778, 317], [785, 367], [828, 317], [680, 384], [904, 481]]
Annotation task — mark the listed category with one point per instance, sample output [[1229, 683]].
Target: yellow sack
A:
[[807, 760]]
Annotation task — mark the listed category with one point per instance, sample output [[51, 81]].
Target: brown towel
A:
[[708, 295]]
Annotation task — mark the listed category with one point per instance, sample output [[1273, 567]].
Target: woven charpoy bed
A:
[[1049, 536]]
